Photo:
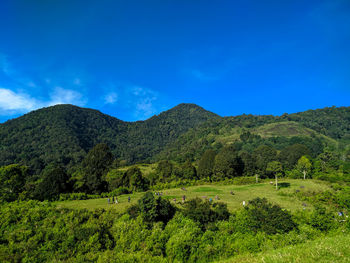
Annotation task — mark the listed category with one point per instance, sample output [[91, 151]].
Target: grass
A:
[[327, 249], [240, 193], [288, 129]]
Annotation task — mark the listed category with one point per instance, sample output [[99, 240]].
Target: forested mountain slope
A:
[[312, 128], [64, 133]]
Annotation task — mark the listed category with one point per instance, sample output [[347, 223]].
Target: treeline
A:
[[101, 174]]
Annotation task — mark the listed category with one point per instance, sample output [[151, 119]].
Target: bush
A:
[[155, 209], [205, 213], [321, 219], [271, 219]]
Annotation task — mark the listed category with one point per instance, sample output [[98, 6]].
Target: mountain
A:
[[64, 133], [314, 128]]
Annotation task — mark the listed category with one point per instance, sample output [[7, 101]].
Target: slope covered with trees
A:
[[65, 133]]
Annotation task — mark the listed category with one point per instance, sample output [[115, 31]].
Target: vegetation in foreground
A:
[[153, 229], [333, 248]]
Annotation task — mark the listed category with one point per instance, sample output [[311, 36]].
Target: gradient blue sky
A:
[[133, 59]]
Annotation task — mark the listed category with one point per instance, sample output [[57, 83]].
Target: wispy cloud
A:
[[17, 95], [144, 99], [4, 65], [66, 96], [12, 102], [111, 98]]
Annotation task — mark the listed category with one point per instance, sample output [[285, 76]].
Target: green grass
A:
[[327, 249], [234, 202]]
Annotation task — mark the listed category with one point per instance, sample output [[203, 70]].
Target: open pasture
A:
[[234, 200]]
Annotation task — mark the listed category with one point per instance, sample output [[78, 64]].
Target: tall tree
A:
[[249, 164], [94, 167], [227, 164], [164, 170], [275, 168], [137, 181], [206, 164], [262, 156], [54, 182], [290, 155], [304, 165], [188, 170], [12, 181]]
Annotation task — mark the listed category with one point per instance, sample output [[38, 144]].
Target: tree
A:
[[54, 182], [206, 164], [155, 209], [262, 156], [227, 164], [164, 170], [136, 181], [188, 171], [203, 212], [290, 155], [275, 168], [12, 181], [304, 165], [249, 164], [93, 168], [269, 218]]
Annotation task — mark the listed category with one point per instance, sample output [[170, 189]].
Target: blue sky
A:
[[133, 59]]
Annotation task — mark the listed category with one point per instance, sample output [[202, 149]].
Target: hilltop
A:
[[65, 133]]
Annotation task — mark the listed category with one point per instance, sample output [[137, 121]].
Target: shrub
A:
[[271, 219], [155, 209], [205, 213]]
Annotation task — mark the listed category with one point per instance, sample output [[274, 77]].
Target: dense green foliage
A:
[[55, 181], [40, 232], [69, 153], [12, 181], [90, 177], [227, 164], [204, 212], [154, 209], [268, 218], [65, 133]]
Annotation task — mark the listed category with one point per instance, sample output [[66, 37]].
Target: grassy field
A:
[[234, 201], [327, 249]]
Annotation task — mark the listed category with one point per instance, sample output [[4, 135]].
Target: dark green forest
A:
[[64, 134]]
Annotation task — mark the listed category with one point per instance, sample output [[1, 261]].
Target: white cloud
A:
[[66, 96], [12, 102], [145, 108], [16, 102], [144, 99], [111, 98]]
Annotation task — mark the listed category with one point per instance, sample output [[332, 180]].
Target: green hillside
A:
[[65, 133]]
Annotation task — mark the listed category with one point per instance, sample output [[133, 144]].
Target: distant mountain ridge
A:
[[64, 133]]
